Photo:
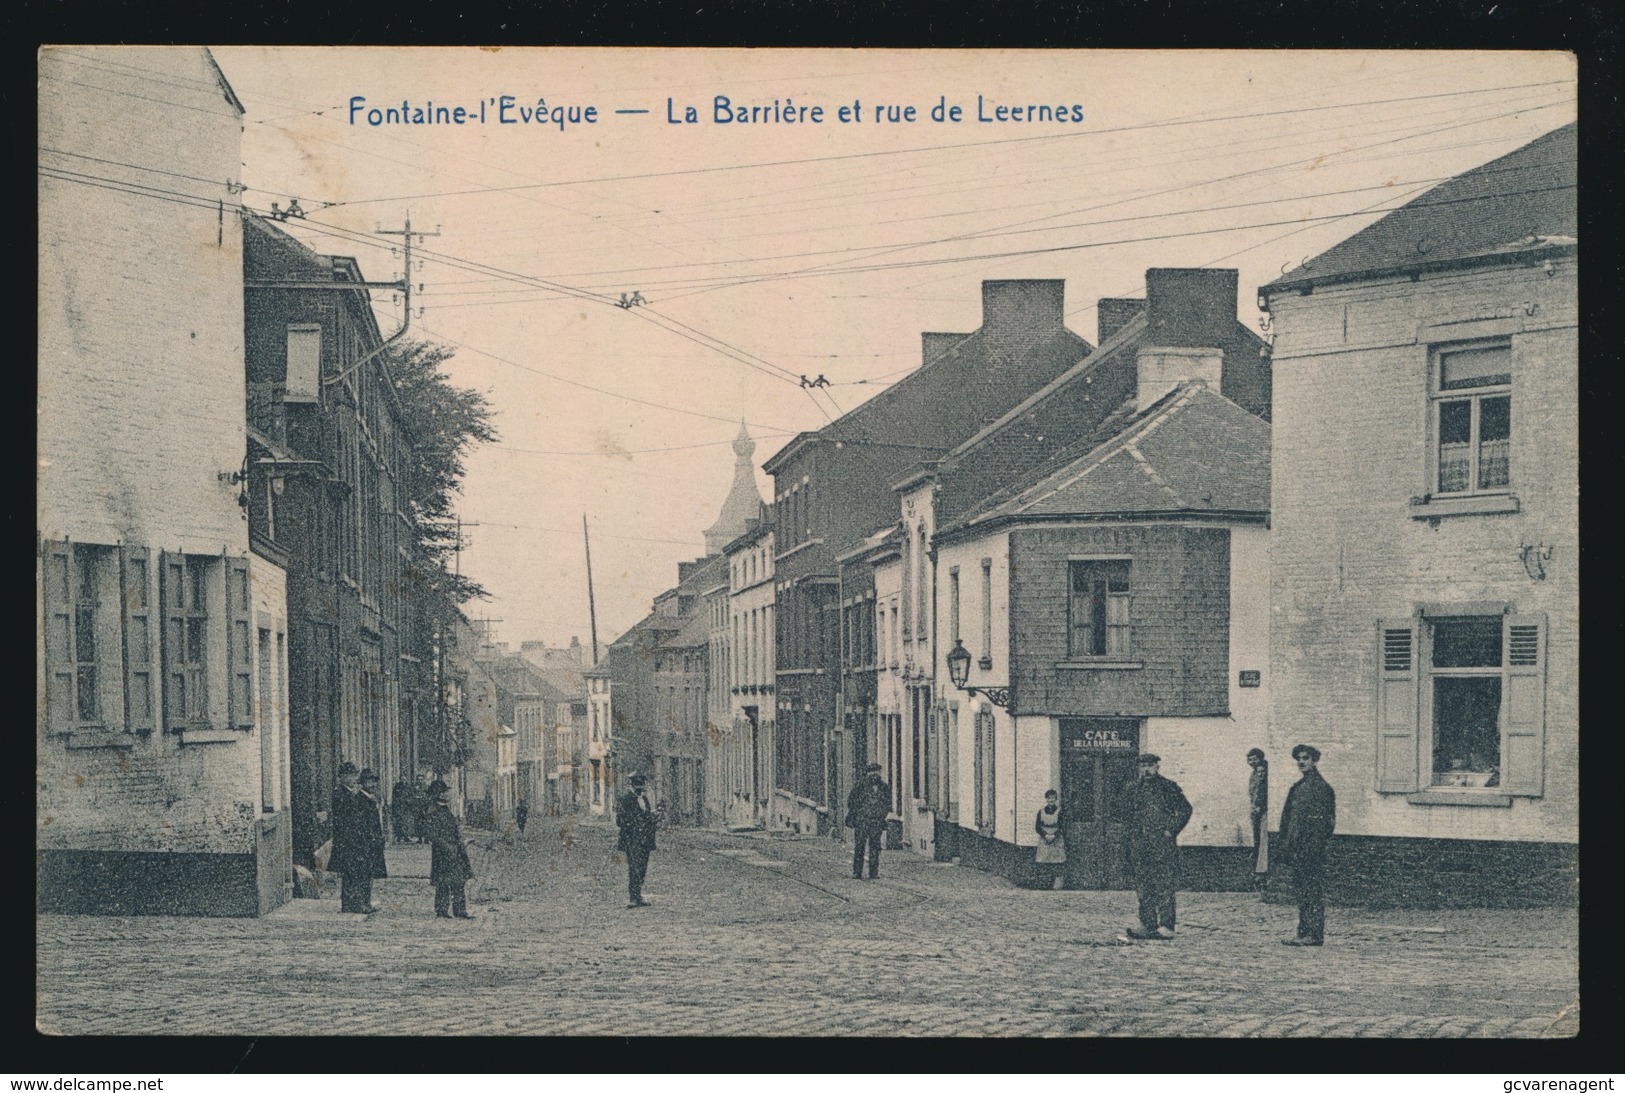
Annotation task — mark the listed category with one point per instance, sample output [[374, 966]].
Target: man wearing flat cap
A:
[[867, 807], [1156, 811], [636, 819], [1307, 821]]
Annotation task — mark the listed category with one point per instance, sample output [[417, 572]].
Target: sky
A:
[[766, 249]]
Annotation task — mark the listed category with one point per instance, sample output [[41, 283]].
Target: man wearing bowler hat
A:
[[866, 809], [449, 867], [350, 853], [637, 823], [369, 827], [1307, 821], [1156, 812]]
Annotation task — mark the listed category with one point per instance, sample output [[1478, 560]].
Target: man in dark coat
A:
[[401, 809], [867, 807], [636, 820], [1307, 821], [369, 828], [449, 868], [1156, 812], [351, 857]]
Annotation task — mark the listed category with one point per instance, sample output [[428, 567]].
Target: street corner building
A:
[[162, 632], [1425, 526], [1096, 560]]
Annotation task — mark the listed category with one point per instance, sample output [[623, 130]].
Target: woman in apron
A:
[[1051, 852]]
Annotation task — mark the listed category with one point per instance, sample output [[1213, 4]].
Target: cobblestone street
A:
[[751, 935]]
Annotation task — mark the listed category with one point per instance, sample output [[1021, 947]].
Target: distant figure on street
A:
[[449, 868], [1307, 821], [1051, 852], [521, 813], [637, 822], [867, 807], [1156, 812], [401, 809], [1258, 803], [370, 823], [351, 856]]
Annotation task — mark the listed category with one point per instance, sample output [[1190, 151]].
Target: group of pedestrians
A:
[[1156, 811], [358, 841]]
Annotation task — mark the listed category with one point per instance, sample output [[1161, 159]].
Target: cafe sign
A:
[[1123, 740]]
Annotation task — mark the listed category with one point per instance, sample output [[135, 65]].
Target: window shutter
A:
[[172, 642], [239, 646], [140, 655], [1397, 685], [1523, 706], [58, 653]]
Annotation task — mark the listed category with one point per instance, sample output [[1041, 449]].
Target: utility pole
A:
[[407, 235], [592, 610], [457, 552]]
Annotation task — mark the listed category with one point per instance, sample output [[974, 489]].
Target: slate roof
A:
[[1193, 451], [696, 631], [1521, 202], [983, 370]]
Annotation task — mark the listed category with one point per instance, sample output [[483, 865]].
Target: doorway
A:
[[1097, 761]]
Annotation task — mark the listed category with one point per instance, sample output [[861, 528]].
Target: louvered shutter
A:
[[1523, 706], [57, 575], [172, 639], [1397, 683], [239, 646], [140, 652]]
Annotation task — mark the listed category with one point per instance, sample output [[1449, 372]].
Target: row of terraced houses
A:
[[232, 598], [1357, 529]]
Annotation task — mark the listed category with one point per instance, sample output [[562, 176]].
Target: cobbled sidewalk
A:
[[763, 936]]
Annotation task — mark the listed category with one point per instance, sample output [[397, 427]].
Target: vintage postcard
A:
[[634, 542]]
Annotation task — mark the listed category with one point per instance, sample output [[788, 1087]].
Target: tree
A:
[[444, 422]]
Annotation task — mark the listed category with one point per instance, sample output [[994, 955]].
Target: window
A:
[[987, 614], [1098, 609], [922, 585], [304, 374], [983, 772], [270, 760], [82, 637], [186, 640], [1472, 419], [1462, 704]]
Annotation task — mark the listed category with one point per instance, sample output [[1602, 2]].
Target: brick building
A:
[[328, 487], [1425, 507], [745, 739], [162, 631], [832, 488], [1100, 555]]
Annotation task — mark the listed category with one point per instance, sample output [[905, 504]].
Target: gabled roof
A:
[[1125, 339], [984, 369], [1521, 202], [1193, 451], [696, 631]]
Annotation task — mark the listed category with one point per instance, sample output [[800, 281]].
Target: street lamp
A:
[[959, 672]]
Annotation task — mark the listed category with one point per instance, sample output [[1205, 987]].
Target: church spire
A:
[[744, 502]]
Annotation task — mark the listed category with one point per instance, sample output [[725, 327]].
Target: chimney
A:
[[1161, 368], [575, 649], [933, 345], [1114, 314], [1190, 314], [1023, 306], [1191, 307]]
